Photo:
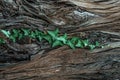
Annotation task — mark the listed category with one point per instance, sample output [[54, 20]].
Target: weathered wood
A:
[[94, 19], [67, 64]]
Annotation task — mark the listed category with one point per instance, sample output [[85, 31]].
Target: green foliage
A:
[[52, 37], [62, 38], [97, 44], [69, 43], [26, 32], [32, 35], [7, 33], [53, 34], [2, 41], [13, 38], [79, 44], [20, 36], [85, 43], [91, 46], [47, 38], [57, 43]]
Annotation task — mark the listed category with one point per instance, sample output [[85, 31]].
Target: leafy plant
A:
[[6, 33], [69, 43], [32, 35], [26, 32], [47, 38], [53, 34], [20, 36], [92, 46], [79, 44], [62, 38], [85, 42], [57, 43], [52, 37], [2, 41], [14, 34]]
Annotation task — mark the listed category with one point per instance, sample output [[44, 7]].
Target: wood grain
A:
[[72, 17]]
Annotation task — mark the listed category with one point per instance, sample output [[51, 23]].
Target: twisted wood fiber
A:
[[64, 63]]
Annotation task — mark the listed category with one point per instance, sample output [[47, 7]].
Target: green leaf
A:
[[26, 31], [48, 38], [32, 34], [56, 31], [15, 33], [53, 34], [85, 42], [70, 44], [74, 40], [57, 43], [79, 44], [2, 41], [91, 46], [12, 38], [39, 38], [7, 33], [38, 33], [97, 43], [20, 36], [62, 38]]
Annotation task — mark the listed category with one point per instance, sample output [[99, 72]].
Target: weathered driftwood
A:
[[94, 19], [67, 64]]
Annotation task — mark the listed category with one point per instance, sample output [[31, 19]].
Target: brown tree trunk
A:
[[82, 18]]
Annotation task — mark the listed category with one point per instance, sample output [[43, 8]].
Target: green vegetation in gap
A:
[[52, 37]]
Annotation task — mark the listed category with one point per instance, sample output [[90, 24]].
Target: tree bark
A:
[[95, 19], [67, 64]]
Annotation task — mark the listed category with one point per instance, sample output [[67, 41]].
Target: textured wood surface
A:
[[66, 64], [73, 17]]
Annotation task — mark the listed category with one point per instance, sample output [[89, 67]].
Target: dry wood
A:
[[66, 64], [95, 19]]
